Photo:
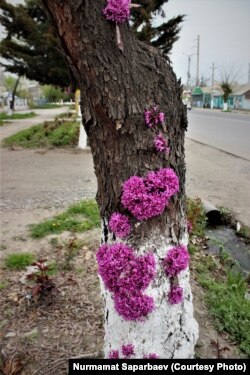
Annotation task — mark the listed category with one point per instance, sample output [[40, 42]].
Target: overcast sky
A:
[[224, 29]]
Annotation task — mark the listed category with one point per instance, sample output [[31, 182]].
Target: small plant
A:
[[196, 216], [71, 249], [19, 261], [44, 286]]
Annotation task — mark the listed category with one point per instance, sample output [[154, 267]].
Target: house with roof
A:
[[239, 99]]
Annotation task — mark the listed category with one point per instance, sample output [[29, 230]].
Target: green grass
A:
[[49, 134], [17, 116], [19, 261], [229, 307], [79, 217]]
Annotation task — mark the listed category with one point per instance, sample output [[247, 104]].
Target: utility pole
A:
[[212, 93], [249, 73], [188, 72], [198, 60]]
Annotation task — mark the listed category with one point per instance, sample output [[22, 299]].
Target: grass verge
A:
[[79, 217], [50, 134], [16, 116], [227, 289]]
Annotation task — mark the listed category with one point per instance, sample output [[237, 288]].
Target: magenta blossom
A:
[[161, 144], [119, 224], [148, 197], [127, 276], [175, 295], [128, 350], [117, 10], [114, 354], [153, 116], [133, 305], [151, 356], [176, 260]]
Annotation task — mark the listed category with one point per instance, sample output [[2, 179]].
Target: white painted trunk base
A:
[[82, 141], [170, 331], [225, 106]]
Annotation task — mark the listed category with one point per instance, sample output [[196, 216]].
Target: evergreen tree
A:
[[162, 36], [31, 49]]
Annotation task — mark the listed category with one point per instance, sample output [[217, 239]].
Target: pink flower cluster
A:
[[148, 197], [114, 354], [161, 144], [153, 116], [127, 351], [117, 10], [119, 224], [127, 275], [151, 356], [175, 295], [176, 260]]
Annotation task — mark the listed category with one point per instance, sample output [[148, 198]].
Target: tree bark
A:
[[115, 88]]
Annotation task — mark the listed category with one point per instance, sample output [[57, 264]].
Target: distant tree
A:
[[228, 76], [162, 36], [54, 94], [31, 48]]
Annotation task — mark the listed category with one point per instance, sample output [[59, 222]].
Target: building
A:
[[239, 99]]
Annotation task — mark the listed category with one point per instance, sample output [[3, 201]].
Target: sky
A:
[[224, 30]]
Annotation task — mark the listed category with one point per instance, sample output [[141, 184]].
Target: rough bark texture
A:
[[115, 88]]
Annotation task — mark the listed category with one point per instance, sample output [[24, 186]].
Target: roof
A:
[[241, 90]]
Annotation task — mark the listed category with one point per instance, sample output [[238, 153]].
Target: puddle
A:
[[226, 239]]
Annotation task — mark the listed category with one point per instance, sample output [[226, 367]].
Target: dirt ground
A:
[[36, 184]]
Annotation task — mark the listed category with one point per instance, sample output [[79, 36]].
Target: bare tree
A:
[[228, 75], [140, 168]]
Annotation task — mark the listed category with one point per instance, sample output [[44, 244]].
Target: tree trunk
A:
[[116, 87], [225, 106], [12, 103]]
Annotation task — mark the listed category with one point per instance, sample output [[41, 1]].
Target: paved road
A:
[[12, 127], [228, 132]]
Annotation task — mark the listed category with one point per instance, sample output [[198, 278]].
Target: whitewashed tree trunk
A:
[[116, 88], [82, 141], [170, 331], [225, 106]]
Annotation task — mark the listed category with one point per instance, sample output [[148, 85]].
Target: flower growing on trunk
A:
[[117, 10], [127, 276], [175, 294], [114, 354], [153, 116], [148, 197], [119, 224], [161, 144], [128, 350], [176, 260]]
